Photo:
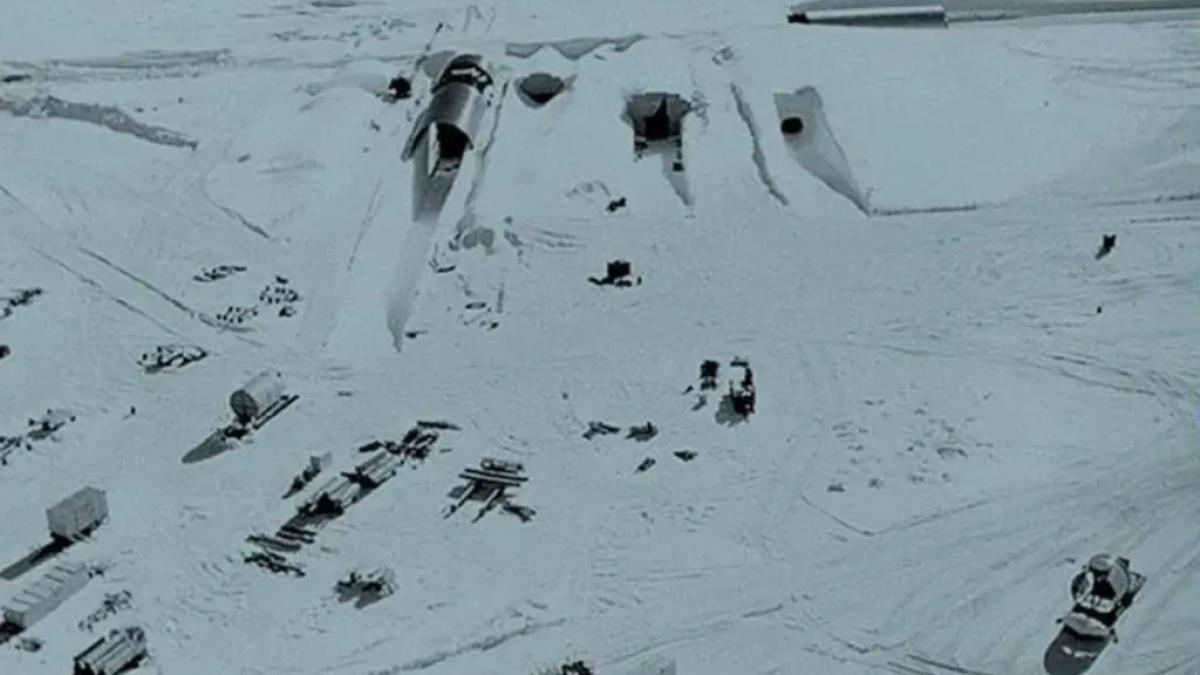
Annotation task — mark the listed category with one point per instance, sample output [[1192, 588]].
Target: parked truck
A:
[[78, 515]]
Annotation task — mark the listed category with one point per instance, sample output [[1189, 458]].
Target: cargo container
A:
[[45, 595], [77, 515], [121, 649], [265, 390]]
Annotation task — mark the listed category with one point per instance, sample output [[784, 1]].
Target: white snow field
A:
[[960, 403]]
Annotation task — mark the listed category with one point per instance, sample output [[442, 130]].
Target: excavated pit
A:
[[810, 141], [538, 89], [657, 122]]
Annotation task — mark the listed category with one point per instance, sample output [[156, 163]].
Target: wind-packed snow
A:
[[959, 403]]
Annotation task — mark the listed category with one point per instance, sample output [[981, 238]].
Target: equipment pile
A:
[[173, 356], [618, 273], [367, 586], [490, 484]]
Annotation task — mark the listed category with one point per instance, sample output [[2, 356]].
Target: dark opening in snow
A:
[[657, 116], [452, 142], [540, 88], [791, 126], [400, 88]]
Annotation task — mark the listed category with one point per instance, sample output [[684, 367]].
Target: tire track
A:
[[193, 314]]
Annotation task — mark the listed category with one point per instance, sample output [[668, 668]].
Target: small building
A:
[[121, 649], [77, 515], [45, 595], [461, 94]]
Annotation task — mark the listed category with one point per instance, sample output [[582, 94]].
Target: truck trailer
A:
[[78, 515]]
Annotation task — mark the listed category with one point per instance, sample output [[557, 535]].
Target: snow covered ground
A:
[[959, 404]]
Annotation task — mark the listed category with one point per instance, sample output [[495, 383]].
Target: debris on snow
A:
[[617, 275], [170, 357], [642, 432], [950, 452], [599, 429], [211, 274], [112, 604], [574, 667], [708, 374], [30, 644], [279, 293], [233, 316], [316, 464], [45, 426], [273, 562], [489, 484], [24, 296], [366, 586]]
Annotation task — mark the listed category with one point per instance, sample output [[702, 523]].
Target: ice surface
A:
[[956, 402]]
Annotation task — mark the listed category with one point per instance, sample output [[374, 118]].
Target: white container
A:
[[77, 514], [260, 393]]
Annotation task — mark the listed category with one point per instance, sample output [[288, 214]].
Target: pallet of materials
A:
[[121, 649]]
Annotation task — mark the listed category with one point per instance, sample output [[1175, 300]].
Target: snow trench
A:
[[760, 161], [573, 49], [110, 117], [812, 144]]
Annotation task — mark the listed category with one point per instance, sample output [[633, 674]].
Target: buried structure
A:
[[449, 125], [811, 143], [538, 89], [657, 120]]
